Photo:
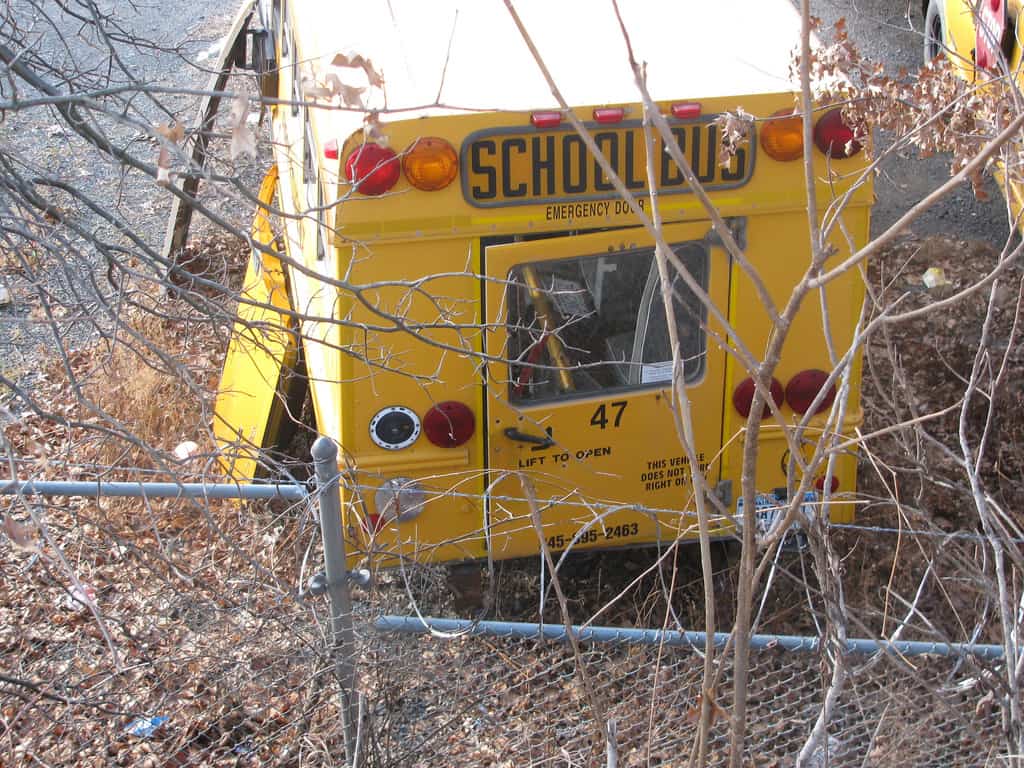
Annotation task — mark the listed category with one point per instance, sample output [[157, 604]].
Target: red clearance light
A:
[[804, 387], [686, 110], [609, 114], [546, 119], [833, 485], [743, 397], [832, 136], [449, 424], [373, 169], [331, 149]]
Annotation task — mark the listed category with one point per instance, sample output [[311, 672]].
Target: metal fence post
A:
[[325, 459]]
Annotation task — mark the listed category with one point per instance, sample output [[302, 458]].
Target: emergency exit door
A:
[[580, 408]]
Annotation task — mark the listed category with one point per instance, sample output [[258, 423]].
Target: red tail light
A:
[[832, 136], [804, 387], [331, 149], [449, 424], [743, 397], [373, 169], [988, 33], [833, 485]]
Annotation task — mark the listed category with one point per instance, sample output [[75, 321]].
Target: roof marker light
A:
[[609, 114], [546, 119], [686, 110]]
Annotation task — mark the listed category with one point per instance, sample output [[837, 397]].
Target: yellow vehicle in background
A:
[[475, 309], [975, 35], [983, 42]]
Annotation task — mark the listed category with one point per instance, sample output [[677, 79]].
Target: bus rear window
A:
[[597, 323]]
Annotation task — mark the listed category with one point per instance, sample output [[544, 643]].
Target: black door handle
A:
[[523, 437]]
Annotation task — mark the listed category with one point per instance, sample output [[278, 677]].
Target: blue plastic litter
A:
[[144, 727]]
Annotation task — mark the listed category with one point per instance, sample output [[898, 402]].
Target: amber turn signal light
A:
[[782, 137], [430, 164]]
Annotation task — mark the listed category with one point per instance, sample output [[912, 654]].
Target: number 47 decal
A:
[[600, 417]]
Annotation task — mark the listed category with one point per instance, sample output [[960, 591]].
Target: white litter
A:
[[210, 53], [185, 450], [934, 277], [79, 599]]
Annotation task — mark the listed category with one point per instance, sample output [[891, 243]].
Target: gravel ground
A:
[[62, 265]]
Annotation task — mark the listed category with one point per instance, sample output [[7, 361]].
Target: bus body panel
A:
[[252, 399]]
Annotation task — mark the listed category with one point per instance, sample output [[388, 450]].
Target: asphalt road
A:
[[43, 147], [889, 31]]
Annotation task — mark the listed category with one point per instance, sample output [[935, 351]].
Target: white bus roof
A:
[[470, 55]]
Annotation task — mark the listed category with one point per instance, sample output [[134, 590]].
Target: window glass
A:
[[311, 183], [308, 160], [596, 323], [278, 19], [296, 82]]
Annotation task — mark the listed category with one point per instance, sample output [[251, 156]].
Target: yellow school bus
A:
[[476, 308]]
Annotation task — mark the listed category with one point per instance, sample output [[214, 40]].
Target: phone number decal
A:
[[594, 535]]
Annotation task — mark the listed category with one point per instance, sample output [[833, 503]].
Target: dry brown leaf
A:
[[350, 95], [21, 535], [717, 713], [243, 142], [311, 91], [174, 133], [359, 62], [80, 599]]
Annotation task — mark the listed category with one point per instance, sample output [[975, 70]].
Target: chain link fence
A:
[[201, 652], [499, 698]]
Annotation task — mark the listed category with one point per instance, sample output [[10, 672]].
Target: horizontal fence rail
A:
[[142, 489], [586, 634]]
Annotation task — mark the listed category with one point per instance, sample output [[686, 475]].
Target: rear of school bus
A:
[[488, 343]]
